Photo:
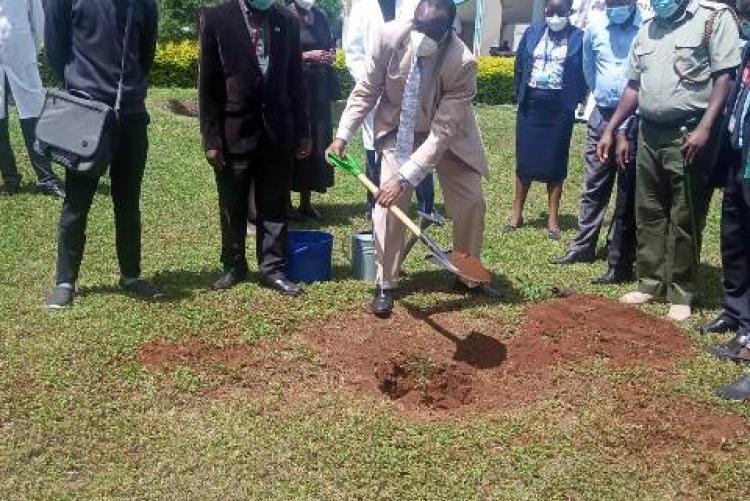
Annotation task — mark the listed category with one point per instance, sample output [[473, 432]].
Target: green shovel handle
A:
[[347, 164]]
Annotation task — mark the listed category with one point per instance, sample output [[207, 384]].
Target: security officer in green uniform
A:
[[680, 73]]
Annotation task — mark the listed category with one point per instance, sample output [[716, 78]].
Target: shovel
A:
[[425, 221], [468, 268]]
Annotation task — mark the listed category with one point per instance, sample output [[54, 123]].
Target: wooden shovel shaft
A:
[[413, 227]]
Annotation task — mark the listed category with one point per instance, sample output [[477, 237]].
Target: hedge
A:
[[176, 65]]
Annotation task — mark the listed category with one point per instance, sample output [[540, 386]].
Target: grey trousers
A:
[[599, 183]]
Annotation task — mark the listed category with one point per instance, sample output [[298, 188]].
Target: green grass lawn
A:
[[82, 418]]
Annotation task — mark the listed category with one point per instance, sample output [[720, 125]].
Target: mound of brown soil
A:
[[446, 361], [188, 108]]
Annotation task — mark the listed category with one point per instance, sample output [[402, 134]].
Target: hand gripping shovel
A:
[[462, 265]]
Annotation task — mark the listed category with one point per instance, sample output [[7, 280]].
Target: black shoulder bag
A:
[[78, 132]]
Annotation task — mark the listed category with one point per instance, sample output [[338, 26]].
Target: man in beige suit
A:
[[420, 81]]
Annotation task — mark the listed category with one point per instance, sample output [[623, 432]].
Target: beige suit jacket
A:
[[447, 94]]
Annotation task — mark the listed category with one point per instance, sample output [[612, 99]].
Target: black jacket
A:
[[84, 43], [730, 162], [237, 103]]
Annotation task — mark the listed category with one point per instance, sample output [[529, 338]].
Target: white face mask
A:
[[557, 23], [305, 4], [423, 45]]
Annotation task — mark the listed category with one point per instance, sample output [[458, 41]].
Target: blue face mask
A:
[[665, 8], [620, 14], [261, 5], [745, 30]]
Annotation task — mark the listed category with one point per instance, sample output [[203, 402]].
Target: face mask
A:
[[261, 5], [305, 4], [620, 14], [557, 23], [745, 30], [665, 8], [423, 45]]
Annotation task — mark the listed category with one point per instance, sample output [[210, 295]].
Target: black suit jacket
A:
[[729, 162], [237, 103]]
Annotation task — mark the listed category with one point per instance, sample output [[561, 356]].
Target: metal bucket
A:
[[363, 256]]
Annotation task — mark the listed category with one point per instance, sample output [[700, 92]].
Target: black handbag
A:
[[78, 132]]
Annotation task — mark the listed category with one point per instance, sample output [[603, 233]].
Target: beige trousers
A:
[[464, 202]]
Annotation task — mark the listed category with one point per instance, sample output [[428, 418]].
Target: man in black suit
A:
[[253, 116], [733, 176]]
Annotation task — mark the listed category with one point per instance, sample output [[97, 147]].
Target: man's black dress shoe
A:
[[721, 325], [382, 302], [282, 284], [614, 276], [228, 280], [732, 349], [8, 190], [739, 390], [573, 257]]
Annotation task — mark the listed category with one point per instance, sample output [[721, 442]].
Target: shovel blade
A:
[[441, 258]]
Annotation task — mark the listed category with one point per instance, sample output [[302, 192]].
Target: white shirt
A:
[[18, 59]]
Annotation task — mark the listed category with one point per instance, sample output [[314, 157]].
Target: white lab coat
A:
[[364, 21], [18, 59]]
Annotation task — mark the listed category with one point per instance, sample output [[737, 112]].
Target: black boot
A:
[[739, 390], [382, 302]]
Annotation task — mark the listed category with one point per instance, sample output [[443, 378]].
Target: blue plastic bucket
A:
[[308, 256]]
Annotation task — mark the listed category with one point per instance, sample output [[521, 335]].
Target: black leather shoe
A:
[[731, 350], [573, 257], [8, 190], [228, 280], [721, 325], [283, 285], [382, 302], [54, 189], [739, 390], [614, 276]]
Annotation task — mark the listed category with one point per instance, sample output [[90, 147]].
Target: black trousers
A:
[[126, 174], [735, 250], [9, 168], [267, 171]]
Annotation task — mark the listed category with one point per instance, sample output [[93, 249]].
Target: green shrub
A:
[[176, 65], [345, 78], [495, 80]]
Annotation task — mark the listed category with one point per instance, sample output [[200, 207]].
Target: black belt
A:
[[690, 121]]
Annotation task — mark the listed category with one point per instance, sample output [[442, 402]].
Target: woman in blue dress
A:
[[550, 84]]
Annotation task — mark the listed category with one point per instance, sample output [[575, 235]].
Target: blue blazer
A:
[[574, 89]]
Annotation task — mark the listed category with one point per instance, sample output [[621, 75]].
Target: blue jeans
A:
[[425, 190]]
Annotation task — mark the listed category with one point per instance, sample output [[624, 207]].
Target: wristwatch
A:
[[403, 182]]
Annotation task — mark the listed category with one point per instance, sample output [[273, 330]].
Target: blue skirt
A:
[[543, 133]]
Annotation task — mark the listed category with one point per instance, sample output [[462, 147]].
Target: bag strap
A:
[[125, 47]]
